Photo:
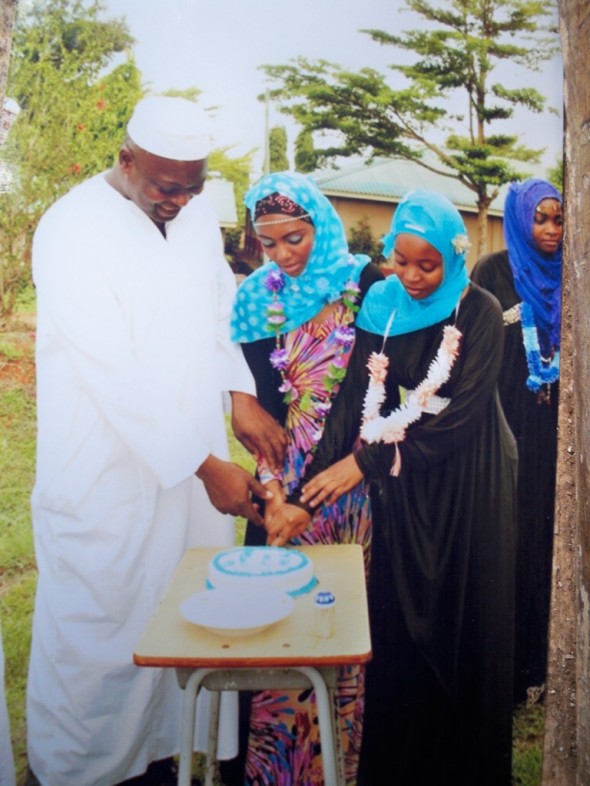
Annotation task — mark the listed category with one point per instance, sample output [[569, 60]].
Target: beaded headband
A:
[[280, 204]]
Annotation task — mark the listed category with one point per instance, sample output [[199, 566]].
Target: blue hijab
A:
[[537, 276], [433, 217], [329, 267]]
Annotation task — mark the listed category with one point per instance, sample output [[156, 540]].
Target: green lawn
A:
[[17, 566]]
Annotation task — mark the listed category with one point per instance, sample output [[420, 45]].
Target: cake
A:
[[269, 568]]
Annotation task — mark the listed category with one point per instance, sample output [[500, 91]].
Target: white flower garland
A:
[[375, 427]]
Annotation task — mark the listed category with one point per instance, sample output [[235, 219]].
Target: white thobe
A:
[[133, 354]]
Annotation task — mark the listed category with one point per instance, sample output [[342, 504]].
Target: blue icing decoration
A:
[[235, 561], [303, 590]]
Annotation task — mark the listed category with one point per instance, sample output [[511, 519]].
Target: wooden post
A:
[[566, 759]]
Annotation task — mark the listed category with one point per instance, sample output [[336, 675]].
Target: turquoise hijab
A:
[[387, 308], [329, 268]]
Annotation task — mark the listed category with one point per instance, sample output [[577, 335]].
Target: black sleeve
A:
[[483, 270], [267, 378], [494, 274]]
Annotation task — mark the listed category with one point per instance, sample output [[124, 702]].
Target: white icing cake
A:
[[269, 567]]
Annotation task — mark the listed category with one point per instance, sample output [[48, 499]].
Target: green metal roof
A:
[[389, 179]]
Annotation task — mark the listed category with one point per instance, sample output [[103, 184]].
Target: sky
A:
[[218, 46]]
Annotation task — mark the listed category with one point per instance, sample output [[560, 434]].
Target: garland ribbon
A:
[[392, 428], [541, 371]]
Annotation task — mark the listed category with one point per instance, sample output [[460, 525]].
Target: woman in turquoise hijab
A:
[[295, 320], [442, 472]]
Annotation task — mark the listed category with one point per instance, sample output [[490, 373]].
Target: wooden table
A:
[[286, 655]]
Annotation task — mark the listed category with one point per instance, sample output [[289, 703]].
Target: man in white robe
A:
[[133, 356]]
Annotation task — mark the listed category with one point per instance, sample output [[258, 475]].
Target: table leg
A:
[[189, 703], [210, 764], [336, 732], [326, 714], [328, 724]]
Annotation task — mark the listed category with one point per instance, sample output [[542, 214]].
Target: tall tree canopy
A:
[[74, 102], [304, 152], [277, 143], [456, 49], [73, 74], [73, 108]]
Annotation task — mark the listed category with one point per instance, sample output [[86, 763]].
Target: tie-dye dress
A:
[[284, 745]]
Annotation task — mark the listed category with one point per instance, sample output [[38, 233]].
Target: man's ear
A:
[[126, 158]]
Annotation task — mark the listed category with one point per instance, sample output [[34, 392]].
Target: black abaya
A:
[[439, 688], [533, 421]]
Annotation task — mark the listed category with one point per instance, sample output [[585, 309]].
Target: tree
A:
[[72, 108], [304, 152], [458, 47], [75, 104], [362, 241], [555, 175], [566, 759], [73, 116], [277, 144], [7, 17], [233, 239]]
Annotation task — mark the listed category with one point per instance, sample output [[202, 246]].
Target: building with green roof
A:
[[371, 191]]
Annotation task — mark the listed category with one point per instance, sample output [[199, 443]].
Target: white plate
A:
[[232, 612]]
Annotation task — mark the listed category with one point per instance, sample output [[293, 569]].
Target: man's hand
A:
[[332, 483], [258, 431], [230, 488], [288, 522]]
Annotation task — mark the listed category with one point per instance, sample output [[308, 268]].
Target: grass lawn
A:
[[17, 565]]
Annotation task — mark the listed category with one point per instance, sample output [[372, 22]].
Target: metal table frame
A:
[[322, 680], [288, 655]]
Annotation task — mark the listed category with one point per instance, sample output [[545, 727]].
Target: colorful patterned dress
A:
[[298, 351], [284, 746]]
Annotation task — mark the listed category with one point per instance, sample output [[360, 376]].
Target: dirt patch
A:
[[17, 373], [17, 358]]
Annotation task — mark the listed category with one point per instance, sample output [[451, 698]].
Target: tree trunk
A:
[[567, 722], [7, 16], [483, 204]]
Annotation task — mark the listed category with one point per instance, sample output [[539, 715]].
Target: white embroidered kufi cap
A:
[[171, 127]]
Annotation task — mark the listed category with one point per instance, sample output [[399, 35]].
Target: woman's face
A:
[[548, 226], [418, 265], [288, 244]]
